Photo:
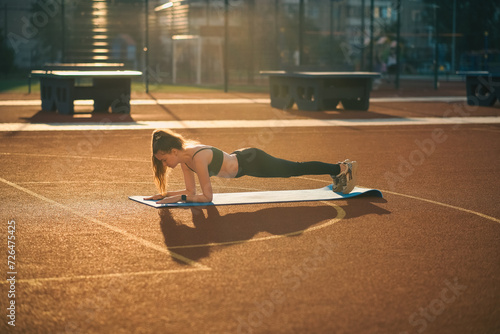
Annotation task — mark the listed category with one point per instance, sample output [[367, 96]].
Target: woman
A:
[[171, 149]]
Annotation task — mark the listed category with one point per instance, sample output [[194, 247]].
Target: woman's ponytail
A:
[[165, 141]]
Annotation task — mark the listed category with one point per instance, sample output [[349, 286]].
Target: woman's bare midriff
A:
[[229, 167]]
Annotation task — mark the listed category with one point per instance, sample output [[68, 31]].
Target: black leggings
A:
[[255, 162]]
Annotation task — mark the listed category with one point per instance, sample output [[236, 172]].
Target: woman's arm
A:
[[190, 188], [169, 194], [205, 184], [201, 167]]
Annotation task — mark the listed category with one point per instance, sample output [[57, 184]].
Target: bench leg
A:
[[118, 98], [118, 106], [101, 105], [121, 105], [481, 90], [285, 92], [64, 96], [360, 103], [281, 95], [358, 95], [330, 104], [308, 94], [320, 94], [47, 93]]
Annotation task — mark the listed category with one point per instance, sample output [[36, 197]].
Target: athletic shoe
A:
[[351, 176], [346, 181], [337, 182]]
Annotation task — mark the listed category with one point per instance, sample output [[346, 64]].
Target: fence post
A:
[[226, 46], [301, 32], [372, 13], [398, 46], [436, 49], [146, 47]]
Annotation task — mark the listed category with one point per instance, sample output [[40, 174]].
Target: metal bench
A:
[[315, 91], [483, 88], [83, 66], [61, 85]]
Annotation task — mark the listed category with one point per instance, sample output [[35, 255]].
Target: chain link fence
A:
[[205, 42]]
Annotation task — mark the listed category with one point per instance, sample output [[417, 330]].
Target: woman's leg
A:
[[255, 162]]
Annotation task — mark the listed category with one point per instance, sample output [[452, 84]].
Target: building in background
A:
[[185, 43]]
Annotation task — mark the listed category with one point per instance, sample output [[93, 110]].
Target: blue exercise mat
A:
[[259, 197]]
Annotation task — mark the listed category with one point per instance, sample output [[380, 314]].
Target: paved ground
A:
[[424, 259]]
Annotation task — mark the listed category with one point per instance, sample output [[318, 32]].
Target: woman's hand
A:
[[155, 197], [171, 199]]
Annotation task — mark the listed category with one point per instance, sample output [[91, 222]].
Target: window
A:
[[383, 12], [313, 12], [416, 15]]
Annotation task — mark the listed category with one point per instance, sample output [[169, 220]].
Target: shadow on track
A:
[[193, 232], [90, 117], [359, 207]]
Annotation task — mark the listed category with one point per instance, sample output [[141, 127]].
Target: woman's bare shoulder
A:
[[196, 147]]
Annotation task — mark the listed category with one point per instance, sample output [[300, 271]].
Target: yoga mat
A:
[[259, 197]]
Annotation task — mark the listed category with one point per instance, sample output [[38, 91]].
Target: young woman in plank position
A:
[[171, 149]]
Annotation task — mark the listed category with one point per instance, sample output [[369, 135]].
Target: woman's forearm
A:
[[178, 193], [189, 198], [198, 198]]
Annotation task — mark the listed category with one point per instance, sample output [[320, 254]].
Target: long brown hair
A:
[[165, 141]]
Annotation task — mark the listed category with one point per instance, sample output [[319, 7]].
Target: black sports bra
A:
[[216, 163]]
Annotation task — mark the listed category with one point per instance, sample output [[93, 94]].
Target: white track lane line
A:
[[124, 233], [35, 281], [144, 102], [479, 214], [273, 123]]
